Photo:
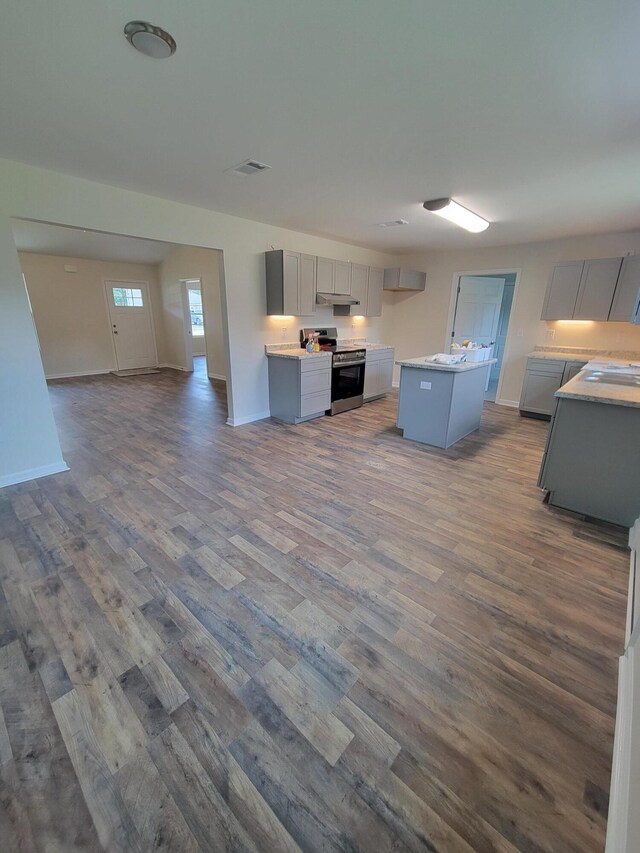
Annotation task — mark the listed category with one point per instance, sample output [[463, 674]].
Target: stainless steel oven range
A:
[[347, 369]]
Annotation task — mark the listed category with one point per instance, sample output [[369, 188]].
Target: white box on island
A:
[[440, 403]]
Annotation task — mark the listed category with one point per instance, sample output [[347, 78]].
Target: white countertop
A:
[[582, 388], [293, 351], [464, 366], [574, 354]]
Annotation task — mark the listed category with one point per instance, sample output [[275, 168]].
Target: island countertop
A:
[[423, 363]]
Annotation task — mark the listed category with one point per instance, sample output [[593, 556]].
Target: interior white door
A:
[[131, 324], [477, 309]]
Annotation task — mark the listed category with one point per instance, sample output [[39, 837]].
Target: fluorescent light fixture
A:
[[456, 213]]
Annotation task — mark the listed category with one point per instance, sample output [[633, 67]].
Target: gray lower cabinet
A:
[[592, 465], [378, 373], [299, 388], [627, 289], [542, 379], [291, 283]]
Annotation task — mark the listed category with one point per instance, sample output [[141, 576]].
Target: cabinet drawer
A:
[[311, 404], [545, 365], [379, 354], [319, 362], [314, 381]]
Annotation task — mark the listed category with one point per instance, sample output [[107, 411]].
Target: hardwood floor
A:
[[316, 638]]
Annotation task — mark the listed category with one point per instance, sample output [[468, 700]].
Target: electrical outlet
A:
[[551, 333], [284, 332], [519, 333]]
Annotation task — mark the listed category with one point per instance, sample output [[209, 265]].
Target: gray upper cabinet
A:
[[597, 286], [307, 291], [374, 292], [283, 282], [359, 288], [626, 291], [326, 275], [396, 278], [562, 291], [291, 283], [342, 279]]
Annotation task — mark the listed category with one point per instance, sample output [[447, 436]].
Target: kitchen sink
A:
[[605, 377]]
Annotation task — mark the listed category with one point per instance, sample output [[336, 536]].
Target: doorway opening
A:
[[481, 313], [111, 303], [194, 326]]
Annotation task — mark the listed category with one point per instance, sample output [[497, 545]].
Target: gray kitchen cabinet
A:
[[378, 373], [374, 292], [597, 286], [291, 283], [366, 287], [299, 388], [542, 379], [592, 465], [572, 368], [307, 290], [325, 275], [396, 278], [562, 291], [342, 278], [627, 289]]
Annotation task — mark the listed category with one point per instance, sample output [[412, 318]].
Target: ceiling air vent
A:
[[393, 223], [249, 167]]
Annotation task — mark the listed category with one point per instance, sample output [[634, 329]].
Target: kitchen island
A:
[[591, 463], [440, 403]]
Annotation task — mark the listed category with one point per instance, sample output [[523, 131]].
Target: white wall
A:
[[27, 432], [418, 323], [70, 310]]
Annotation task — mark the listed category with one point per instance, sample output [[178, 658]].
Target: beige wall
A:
[[192, 262], [419, 323], [70, 310]]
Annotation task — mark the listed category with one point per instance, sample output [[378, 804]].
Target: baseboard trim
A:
[[79, 373], [33, 474], [514, 404], [248, 419], [220, 376], [175, 367]]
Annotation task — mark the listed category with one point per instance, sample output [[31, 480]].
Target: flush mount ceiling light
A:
[[392, 223], [150, 40], [454, 212]]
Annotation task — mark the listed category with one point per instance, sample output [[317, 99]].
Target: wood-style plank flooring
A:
[[315, 638]]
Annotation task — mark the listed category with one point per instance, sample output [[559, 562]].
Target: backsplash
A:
[[591, 334]]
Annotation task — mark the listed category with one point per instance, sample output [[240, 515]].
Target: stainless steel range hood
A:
[[336, 299]]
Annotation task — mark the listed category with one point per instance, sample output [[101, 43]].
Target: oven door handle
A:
[[348, 364]]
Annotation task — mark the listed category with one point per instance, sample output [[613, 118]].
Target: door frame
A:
[[186, 322], [107, 296], [452, 312]]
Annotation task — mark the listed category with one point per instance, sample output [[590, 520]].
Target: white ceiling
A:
[[48, 239], [526, 111]]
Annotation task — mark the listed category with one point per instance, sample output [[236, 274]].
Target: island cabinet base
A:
[[592, 462], [439, 407]]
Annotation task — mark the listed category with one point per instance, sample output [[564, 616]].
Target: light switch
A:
[[425, 386]]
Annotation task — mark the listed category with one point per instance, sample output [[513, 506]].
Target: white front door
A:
[[131, 324], [477, 309]]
